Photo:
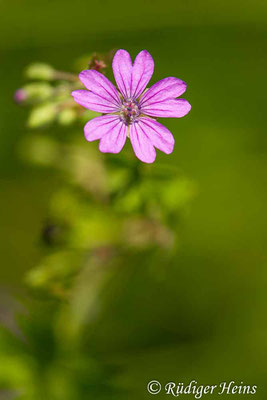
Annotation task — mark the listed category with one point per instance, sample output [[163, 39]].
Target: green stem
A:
[[65, 76]]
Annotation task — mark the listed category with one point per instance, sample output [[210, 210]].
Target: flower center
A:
[[129, 111]]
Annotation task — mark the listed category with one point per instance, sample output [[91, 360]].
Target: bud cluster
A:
[[48, 90]]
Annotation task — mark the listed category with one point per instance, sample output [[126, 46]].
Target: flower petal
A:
[[115, 139], [98, 127], [167, 88], [100, 85], [93, 101], [132, 79], [172, 108], [158, 134], [143, 69], [122, 70], [142, 144]]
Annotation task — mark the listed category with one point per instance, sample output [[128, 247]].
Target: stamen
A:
[[129, 111]]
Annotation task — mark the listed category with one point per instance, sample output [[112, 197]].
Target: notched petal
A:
[[159, 135], [94, 102], [143, 69], [122, 70], [114, 140], [142, 145], [100, 85], [98, 127], [167, 88], [132, 79]]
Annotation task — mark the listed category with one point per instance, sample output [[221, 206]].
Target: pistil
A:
[[129, 111]]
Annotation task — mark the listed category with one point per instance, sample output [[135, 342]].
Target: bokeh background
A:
[[201, 314]]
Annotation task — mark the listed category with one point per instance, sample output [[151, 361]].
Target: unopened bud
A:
[[38, 91], [20, 96], [40, 71], [67, 116], [97, 62], [42, 115]]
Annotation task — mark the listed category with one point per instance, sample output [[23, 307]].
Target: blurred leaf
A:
[[39, 149]]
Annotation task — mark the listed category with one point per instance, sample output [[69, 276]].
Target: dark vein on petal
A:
[[160, 135], [145, 99], [125, 94], [110, 93]]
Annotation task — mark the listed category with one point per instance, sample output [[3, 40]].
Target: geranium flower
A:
[[132, 110]]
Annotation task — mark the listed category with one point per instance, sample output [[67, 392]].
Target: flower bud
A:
[[97, 63], [38, 91], [40, 71], [67, 116], [42, 115], [20, 96]]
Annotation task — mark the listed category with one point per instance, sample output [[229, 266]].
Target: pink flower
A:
[[131, 111]]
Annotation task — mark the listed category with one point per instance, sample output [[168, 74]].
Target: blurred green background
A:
[[202, 315]]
